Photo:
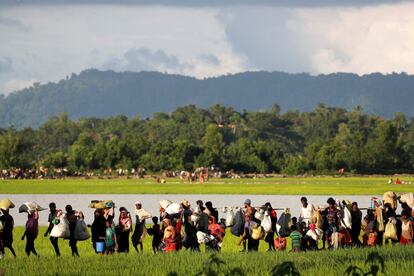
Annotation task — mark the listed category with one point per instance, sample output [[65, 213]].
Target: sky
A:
[[45, 40]]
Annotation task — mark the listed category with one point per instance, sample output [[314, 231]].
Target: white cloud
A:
[[49, 42], [14, 85], [362, 40], [324, 40], [66, 39]]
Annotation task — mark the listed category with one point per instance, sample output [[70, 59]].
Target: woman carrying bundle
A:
[[31, 232], [72, 218]]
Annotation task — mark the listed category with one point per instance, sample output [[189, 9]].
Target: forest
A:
[[102, 94], [270, 141]]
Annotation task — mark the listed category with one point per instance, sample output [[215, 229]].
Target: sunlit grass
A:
[[399, 260], [280, 186]]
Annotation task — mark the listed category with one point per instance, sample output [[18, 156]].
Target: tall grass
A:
[[398, 260]]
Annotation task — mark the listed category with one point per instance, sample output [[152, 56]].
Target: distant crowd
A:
[[337, 224], [201, 174]]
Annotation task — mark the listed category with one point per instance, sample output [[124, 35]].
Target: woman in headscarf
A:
[[123, 229], [31, 232], [97, 228], [72, 217], [170, 236]]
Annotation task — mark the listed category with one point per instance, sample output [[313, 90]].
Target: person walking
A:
[[52, 216], [31, 232], [98, 228], [140, 230], [72, 218], [356, 216], [334, 217], [124, 229], [271, 234], [190, 239], [170, 236], [6, 235], [306, 212]]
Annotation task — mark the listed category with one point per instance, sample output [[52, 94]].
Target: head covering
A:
[[138, 202], [123, 209], [185, 203], [248, 201], [312, 226]]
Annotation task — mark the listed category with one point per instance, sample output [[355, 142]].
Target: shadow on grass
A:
[[374, 264], [214, 266]]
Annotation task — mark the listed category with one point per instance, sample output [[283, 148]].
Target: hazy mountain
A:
[[94, 93]]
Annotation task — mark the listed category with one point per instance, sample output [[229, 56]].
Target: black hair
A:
[[331, 201], [303, 199], [68, 208], [293, 228], [406, 213], [209, 204], [155, 220], [52, 205]]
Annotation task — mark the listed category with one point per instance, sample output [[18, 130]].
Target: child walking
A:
[[157, 235], [110, 239]]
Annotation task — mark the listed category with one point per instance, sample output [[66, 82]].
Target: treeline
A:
[[94, 93], [321, 141]]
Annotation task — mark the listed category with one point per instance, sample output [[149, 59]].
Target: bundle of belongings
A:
[[101, 204], [30, 207]]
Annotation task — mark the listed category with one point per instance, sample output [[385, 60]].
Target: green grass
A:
[[280, 186], [398, 260]]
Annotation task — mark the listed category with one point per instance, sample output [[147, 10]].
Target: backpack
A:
[[283, 225], [238, 228]]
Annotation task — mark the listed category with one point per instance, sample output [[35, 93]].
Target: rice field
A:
[[397, 260], [322, 185]]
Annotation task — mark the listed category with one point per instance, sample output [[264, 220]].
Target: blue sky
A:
[[43, 41]]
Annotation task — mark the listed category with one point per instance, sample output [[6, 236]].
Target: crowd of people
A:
[[201, 174], [181, 226]]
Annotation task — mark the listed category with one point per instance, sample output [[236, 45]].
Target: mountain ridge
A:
[[94, 93]]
